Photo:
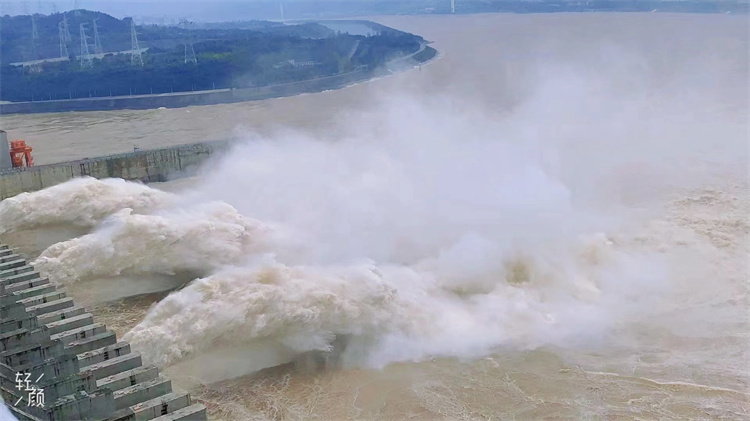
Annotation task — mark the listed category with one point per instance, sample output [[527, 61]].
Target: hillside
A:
[[16, 35], [17, 44], [226, 56]]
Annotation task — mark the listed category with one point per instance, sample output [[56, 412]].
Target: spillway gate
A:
[[84, 373]]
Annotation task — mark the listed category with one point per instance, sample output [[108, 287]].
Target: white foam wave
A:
[[397, 313], [426, 229], [83, 201], [202, 239], [302, 307], [5, 413]]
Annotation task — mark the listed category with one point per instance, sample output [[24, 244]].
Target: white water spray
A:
[[419, 229], [82, 202]]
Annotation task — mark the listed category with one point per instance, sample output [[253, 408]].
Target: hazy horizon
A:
[[232, 10]]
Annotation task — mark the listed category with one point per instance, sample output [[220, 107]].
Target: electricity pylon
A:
[[97, 41], [86, 61], [135, 55], [63, 44]]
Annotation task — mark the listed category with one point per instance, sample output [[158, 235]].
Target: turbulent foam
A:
[[82, 201], [412, 241], [434, 229], [205, 238], [5, 412], [302, 307], [397, 313]]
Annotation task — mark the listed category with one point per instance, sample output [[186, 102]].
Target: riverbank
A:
[[219, 96], [156, 165]]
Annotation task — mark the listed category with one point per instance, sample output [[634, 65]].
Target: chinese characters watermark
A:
[[35, 395]]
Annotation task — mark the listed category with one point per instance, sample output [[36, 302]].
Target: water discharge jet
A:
[[632, 258]]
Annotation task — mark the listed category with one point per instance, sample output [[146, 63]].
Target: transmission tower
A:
[[77, 7], [190, 54], [453, 6], [34, 36], [54, 8], [34, 33], [135, 56], [189, 51], [281, 8], [97, 41], [66, 28], [85, 55], [63, 44]]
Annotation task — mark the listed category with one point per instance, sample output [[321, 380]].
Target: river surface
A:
[[549, 221]]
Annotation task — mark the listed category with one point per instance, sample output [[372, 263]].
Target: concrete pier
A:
[[5, 162], [86, 374]]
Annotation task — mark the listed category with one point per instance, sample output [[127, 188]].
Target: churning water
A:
[[549, 221]]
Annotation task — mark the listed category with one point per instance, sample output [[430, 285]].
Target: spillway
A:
[[84, 372]]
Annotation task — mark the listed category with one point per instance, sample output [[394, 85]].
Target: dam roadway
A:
[[84, 372]]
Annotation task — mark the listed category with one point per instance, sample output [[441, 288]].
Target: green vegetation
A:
[[227, 57]]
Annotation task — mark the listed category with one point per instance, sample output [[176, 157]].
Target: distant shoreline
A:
[[212, 97], [227, 10]]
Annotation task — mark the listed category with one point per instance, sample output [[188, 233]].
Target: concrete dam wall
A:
[[148, 166], [84, 372]]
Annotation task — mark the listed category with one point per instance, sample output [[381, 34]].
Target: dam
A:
[[83, 371]]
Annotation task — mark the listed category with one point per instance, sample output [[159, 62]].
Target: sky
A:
[[160, 11], [177, 9]]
